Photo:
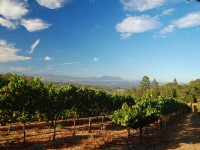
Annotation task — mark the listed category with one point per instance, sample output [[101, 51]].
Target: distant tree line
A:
[[186, 92]]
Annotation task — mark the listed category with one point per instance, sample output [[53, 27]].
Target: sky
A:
[[93, 38]]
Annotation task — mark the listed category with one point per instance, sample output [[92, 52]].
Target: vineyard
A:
[[32, 113]]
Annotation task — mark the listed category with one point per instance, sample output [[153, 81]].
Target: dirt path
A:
[[184, 134]]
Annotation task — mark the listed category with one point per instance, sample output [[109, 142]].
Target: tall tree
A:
[[175, 81], [145, 83], [154, 84], [155, 89]]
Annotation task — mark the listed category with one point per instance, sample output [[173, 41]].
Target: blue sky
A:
[[93, 38]]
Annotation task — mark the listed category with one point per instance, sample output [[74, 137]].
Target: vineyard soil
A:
[[182, 133]]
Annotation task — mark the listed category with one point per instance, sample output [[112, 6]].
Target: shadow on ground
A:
[[183, 134], [56, 144]]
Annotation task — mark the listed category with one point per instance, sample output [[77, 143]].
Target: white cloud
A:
[[141, 5], [34, 46], [168, 11], [52, 4], [167, 29], [34, 24], [7, 23], [13, 9], [190, 20], [70, 63], [125, 35], [96, 59], [136, 24], [8, 52], [47, 58]]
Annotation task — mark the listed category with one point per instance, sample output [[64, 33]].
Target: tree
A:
[[154, 84], [175, 82], [145, 83], [155, 89]]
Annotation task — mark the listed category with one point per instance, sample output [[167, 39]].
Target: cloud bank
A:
[[8, 52], [11, 9]]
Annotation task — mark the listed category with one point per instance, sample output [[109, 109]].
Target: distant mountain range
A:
[[104, 81], [96, 81]]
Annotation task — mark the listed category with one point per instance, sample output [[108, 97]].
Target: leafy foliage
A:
[[143, 113], [146, 111], [186, 92], [28, 99]]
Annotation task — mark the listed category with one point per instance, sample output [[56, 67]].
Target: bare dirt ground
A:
[[183, 133]]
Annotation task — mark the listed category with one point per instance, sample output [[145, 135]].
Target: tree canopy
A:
[[186, 92]]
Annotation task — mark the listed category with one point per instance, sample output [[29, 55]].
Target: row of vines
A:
[[147, 111], [24, 101]]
